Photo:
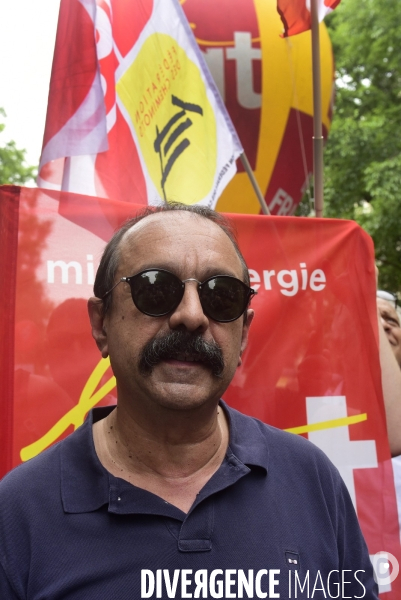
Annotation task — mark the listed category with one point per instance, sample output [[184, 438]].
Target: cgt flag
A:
[[311, 366], [133, 111], [296, 14]]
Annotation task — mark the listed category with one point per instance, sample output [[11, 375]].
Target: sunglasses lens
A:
[[224, 298], [156, 292]]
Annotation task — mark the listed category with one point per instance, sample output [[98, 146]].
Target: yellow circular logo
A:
[[165, 96]]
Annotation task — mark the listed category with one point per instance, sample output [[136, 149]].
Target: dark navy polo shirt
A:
[[275, 511]]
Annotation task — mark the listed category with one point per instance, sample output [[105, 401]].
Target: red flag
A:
[[311, 367], [133, 111], [296, 14]]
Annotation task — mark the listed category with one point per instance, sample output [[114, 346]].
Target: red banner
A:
[[311, 366], [296, 14]]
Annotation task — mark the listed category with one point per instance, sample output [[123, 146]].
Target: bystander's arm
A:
[[391, 385]]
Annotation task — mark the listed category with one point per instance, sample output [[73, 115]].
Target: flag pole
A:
[[255, 185], [317, 113]]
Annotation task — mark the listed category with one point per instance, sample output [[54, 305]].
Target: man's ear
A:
[[99, 333], [245, 331]]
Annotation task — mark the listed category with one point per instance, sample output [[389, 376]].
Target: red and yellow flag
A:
[[296, 14], [133, 111]]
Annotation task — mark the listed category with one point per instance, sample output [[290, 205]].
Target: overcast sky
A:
[[27, 35]]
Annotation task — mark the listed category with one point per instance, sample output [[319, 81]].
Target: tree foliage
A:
[[13, 167], [363, 153]]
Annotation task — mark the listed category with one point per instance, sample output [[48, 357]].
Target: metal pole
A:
[[317, 113], [255, 185]]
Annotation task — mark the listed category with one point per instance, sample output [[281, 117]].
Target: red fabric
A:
[[214, 24], [288, 178], [296, 17], [122, 158], [314, 339], [74, 66], [9, 214], [134, 13]]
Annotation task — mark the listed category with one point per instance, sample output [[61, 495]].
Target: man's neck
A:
[[171, 455]]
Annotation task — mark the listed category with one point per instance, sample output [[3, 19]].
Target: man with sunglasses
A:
[[173, 494]]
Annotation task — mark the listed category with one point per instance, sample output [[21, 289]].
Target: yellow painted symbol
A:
[[88, 399], [344, 421]]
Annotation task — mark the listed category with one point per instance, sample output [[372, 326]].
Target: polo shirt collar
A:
[[84, 480], [248, 439], [86, 485]]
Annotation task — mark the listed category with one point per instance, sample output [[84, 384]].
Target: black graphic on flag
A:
[[165, 140]]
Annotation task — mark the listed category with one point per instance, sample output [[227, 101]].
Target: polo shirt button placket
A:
[[196, 530]]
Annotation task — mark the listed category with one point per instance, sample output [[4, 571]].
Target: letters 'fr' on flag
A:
[[133, 112], [296, 14]]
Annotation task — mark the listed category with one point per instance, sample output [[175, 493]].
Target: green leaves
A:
[[363, 153], [13, 168]]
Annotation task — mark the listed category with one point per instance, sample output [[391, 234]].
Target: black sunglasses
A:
[[157, 292]]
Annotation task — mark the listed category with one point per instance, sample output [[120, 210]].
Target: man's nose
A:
[[189, 312]]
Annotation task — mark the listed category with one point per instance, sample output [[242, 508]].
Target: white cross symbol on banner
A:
[[335, 442]]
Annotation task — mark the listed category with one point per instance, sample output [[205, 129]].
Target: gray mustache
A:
[[176, 343]]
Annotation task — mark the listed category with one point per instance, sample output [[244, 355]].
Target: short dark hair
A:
[[108, 266]]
